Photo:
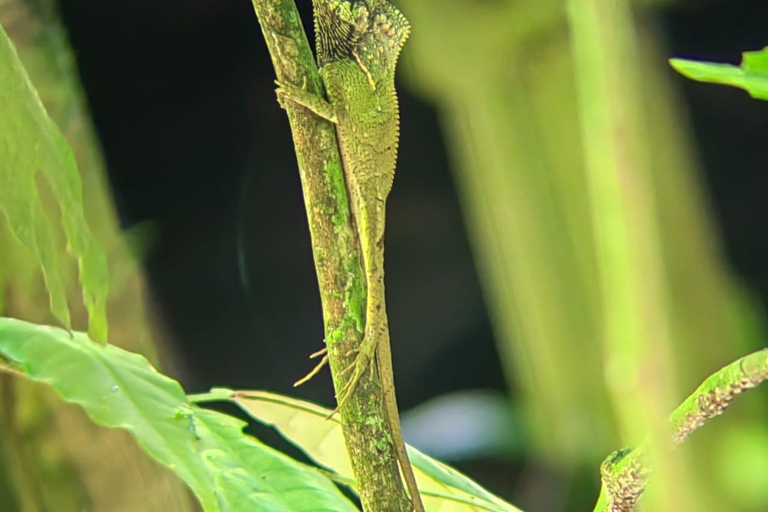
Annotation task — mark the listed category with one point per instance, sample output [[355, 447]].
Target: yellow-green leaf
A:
[[305, 425]]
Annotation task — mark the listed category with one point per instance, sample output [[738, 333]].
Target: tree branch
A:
[[337, 260], [625, 473]]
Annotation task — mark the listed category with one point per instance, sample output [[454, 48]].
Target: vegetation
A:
[[619, 265]]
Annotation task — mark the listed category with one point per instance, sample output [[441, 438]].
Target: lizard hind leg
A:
[[370, 231], [376, 331], [363, 362]]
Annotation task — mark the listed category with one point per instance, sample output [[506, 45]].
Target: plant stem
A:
[[637, 320], [625, 473], [337, 260]]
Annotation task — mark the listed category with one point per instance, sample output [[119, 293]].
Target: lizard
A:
[[358, 45]]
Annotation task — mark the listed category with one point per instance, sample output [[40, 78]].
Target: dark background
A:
[[181, 92]]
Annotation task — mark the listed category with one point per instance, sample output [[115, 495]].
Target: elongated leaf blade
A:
[[31, 146], [752, 76], [227, 470], [305, 425]]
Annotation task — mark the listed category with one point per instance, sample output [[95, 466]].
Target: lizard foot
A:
[[363, 362], [300, 96], [322, 352]]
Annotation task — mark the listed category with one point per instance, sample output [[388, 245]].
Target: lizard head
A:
[[370, 32]]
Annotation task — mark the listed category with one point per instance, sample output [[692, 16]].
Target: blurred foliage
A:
[[609, 302], [54, 458], [32, 149]]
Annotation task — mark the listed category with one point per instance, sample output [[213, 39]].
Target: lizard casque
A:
[[358, 45]]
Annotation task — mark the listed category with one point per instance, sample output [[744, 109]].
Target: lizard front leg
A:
[[320, 106]]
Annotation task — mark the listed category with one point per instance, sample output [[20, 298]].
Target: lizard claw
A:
[[314, 372], [322, 352], [283, 93]]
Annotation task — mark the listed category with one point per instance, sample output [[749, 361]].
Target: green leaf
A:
[[305, 425], [752, 76], [30, 146], [227, 470]]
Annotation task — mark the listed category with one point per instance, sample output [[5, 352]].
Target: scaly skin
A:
[[358, 44]]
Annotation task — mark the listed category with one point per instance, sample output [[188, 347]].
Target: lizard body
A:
[[358, 45]]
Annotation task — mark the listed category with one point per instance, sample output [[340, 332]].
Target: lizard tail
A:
[[377, 325]]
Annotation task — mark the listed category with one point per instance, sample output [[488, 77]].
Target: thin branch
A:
[[337, 259], [625, 473]]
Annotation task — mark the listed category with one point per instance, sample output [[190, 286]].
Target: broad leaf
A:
[[305, 425], [227, 470], [752, 76], [32, 147]]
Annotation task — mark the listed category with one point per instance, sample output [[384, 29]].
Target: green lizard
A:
[[358, 45]]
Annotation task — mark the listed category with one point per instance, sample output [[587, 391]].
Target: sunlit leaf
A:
[[752, 76], [227, 470], [32, 147], [305, 425]]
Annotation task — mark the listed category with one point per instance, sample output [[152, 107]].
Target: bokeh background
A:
[[574, 238]]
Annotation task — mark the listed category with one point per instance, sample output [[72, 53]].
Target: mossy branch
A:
[[337, 260], [625, 473]]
